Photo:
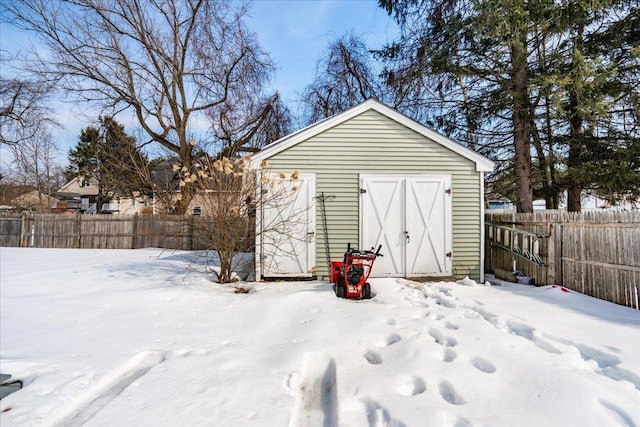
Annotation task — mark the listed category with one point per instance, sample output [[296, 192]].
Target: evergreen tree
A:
[[465, 65], [110, 156], [598, 71], [533, 84]]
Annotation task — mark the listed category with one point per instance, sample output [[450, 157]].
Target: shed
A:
[[371, 176]]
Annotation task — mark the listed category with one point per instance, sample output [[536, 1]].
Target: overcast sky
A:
[[295, 33]]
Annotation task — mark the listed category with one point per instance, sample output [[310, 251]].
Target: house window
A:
[[197, 210]]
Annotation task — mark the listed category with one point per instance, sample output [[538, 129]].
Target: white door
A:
[[286, 232], [410, 216]]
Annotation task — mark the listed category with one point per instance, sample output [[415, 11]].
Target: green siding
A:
[[373, 143]]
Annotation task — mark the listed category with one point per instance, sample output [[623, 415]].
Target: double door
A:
[[410, 216]]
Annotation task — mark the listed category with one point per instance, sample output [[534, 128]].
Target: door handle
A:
[[310, 236], [406, 236]]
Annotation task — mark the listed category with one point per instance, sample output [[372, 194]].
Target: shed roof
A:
[[483, 164]]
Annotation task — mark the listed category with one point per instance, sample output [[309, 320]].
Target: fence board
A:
[[594, 252], [100, 231], [10, 230]]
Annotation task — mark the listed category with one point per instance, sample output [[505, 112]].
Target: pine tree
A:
[[601, 99], [542, 87], [465, 65], [107, 154]]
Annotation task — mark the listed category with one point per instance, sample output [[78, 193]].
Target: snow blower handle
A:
[[378, 251]]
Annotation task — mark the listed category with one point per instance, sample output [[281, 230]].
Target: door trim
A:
[[309, 237], [448, 213]]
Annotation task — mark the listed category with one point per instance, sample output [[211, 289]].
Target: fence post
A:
[[134, 237], [190, 236], [555, 254], [23, 227], [78, 230]]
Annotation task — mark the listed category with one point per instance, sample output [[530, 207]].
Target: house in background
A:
[[36, 201], [372, 176], [81, 195], [498, 201]]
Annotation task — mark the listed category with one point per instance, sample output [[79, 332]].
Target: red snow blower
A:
[[350, 275]]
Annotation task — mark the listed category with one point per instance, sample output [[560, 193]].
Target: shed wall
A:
[[374, 144]]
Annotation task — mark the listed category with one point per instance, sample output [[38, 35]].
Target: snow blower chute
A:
[[350, 275]]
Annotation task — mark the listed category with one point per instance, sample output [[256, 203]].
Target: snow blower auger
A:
[[350, 275]]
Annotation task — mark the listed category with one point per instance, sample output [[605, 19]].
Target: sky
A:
[[144, 337], [296, 34]]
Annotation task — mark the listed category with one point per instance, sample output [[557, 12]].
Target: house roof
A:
[[483, 164], [34, 197], [75, 188]]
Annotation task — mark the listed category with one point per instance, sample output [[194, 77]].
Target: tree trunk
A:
[[545, 168], [554, 190], [187, 191], [576, 123], [574, 187], [99, 198], [521, 126]]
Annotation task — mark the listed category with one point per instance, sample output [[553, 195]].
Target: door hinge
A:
[[449, 254], [448, 191], [363, 190]]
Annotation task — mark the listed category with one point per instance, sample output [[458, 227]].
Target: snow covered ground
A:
[[140, 338]]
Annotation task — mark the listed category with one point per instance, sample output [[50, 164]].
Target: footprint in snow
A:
[[454, 421], [444, 290], [526, 331], [621, 416], [410, 386], [372, 357], [516, 328], [365, 412], [483, 365], [451, 326], [448, 393], [607, 364], [389, 340], [442, 340], [448, 355], [471, 314], [445, 302]]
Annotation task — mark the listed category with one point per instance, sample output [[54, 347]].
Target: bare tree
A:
[[228, 196], [249, 124], [33, 164], [168, 62], [23, 107], [344, 77]]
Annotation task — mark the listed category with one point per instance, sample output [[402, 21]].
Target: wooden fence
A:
[[595, 252], [101, 231]]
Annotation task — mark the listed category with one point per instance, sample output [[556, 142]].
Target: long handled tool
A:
[[322, 198]]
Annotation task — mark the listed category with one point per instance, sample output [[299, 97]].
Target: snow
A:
[[145, 338]]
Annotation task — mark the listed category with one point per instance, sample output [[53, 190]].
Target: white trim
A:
[[482, 163], [312, 224], [482, 232]]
